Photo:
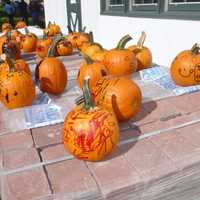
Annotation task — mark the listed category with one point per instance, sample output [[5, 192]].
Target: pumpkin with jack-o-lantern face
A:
[[185, 68]]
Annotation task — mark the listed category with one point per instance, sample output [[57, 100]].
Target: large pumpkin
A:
[[43, 46], [121, 61], [16, 88], [94, 70], [120, 94], [90, 132], [20, 24], [99, 56], [143, 54], [51, 74], [185, 67], [29, 42]]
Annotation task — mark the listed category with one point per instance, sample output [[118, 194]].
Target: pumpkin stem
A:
[[52, 48], [195, 49], [6, 58], [69, 29], [141, 41], [91, 37], [49, 24], [88, 59], [88, 102], [84, 29], [123, 41], [45, 34]]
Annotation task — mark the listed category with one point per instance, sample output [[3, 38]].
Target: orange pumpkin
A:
[[99, 56], [90, 49], [120, 94], [90, 132], [55, 28], [143, 54], [92, 69], [51, 74], [49, 32], [120, 61], [63, 47], [20, 24], [29, 42], [185, 67], [43, 46], [17, 36], [16, 88], [20, 65], [10, 46], [6, 27]]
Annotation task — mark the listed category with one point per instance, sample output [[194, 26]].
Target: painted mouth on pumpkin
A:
[[185, 73]]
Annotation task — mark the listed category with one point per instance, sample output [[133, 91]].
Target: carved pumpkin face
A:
[[52, 75], [120, 94], [43, 46], [64, 48], [90, 132], [16, 88], [20, 24], [92, 69], [120, 61], [142, 53], [185, 68]]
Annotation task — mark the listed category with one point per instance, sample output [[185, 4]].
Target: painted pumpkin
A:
[[7, 45], [120, 94], [6, 27], [92, 69], [43, 46], [20, 24], [90, 132], [143, 54], [16, 88], [121, 61], [29, 42], [20, 65], [63, 47], [51, 74], [185, 68]]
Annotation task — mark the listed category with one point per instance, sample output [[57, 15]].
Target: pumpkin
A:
[[43, 46], [143, 54], [55, 28], [20, 65], [99, 56], [121, 95], [16, 88], [77, 39], [185, 67], [6, 27], [63, 47], [92, 69], [51, 74], [49, 32], [29, 42], [90, 49], [90, 132], [121, 61], [10, 46], [20, 24]]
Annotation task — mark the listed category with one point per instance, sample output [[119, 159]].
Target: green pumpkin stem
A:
[[195, 49], [122, 43], [84, 29], [88, 102], [49, 24], [88, 59], [91, 37], [141, 41], [52, 48]]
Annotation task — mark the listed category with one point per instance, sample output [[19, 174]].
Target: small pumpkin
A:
[[51, 74], [16, 87], [185, 67], [43, 46], [29, 42], [63, 47], [8, 45], [121, 61], [143, 54], [121, 95], [56, 28], [20, 24], [90, 132], [94, 70], [6, 27]]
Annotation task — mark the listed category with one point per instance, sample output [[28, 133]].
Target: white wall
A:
[[56, 10], [164, 37]]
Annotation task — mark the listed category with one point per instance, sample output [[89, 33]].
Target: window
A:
[[176, 9]]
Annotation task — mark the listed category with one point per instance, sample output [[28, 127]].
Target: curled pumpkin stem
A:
[[195, 49], [122, 43], [141, 41]]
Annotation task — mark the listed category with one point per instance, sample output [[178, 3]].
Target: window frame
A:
[[161, 12]]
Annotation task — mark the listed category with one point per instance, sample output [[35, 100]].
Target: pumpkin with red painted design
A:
[[16, 87], [185, 68], [90, 132]]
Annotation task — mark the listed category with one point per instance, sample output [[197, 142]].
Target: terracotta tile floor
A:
[[158, 157]]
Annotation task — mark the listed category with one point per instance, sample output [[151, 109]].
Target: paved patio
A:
[[158, 156]]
